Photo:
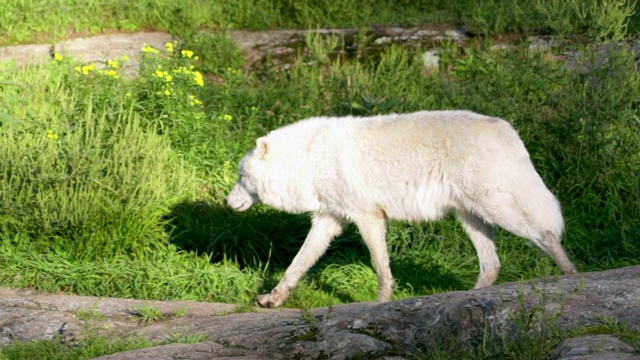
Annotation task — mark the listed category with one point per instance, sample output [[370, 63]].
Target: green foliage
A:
[[47, 21], [81, 183], [91, 315], [165, 275], [602, 20], [489, 17], [87, 349], [606, 20], [187, 339], [181, 312], [216, 51], [92, 344], [148, 313]]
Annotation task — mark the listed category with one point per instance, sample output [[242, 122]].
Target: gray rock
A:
[[594, 347], [431, 59], [95, 49], [99, 49], [374, 330], [26, 54], [103, 47]]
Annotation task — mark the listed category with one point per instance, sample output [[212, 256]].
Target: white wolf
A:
[[402, 166]]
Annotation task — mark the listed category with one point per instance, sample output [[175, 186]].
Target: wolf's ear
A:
[[263, 148]]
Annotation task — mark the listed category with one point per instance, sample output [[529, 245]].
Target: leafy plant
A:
[[148, 313]]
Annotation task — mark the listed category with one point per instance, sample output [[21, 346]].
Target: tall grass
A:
[[88, 181], [46, 21]]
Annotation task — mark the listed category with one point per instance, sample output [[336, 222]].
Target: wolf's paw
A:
[[268, 301]]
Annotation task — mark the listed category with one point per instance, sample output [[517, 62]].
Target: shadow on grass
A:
[[263, 238], [254, 238]]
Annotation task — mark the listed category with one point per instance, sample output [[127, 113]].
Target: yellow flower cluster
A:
[[193, 101], [110, 72], [51, 135], [112, 64], [227, 117], [198, 78], [57, 57], [171, 47], [85, 69], [167, 77], [148, 49], [159, 73]]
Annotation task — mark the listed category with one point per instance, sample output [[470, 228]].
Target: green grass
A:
[[93, 344], [23, 21], [148, 313], [55, 350], [115, 187]]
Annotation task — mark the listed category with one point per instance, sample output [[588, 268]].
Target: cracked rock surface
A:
[[391, 330]]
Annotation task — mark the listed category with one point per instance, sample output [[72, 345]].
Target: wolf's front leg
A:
[[323, 229]]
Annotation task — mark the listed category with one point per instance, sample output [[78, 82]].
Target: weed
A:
[[92, 320], [92, 314], [308, 316], [88, 348], [148, 313], [179, 338], [181, 312]]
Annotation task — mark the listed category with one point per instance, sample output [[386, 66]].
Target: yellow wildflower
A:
[[227, 117], [167, 92], [114, 64], [112, 73], [57, 57], [159, 73], [198, 78], [194, 101], [168, 77], [148, 49], [125, 58], [169, 46], [88, 68], [51, 135], [187, 53]]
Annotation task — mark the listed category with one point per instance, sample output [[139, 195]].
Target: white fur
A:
[[403, 166]]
